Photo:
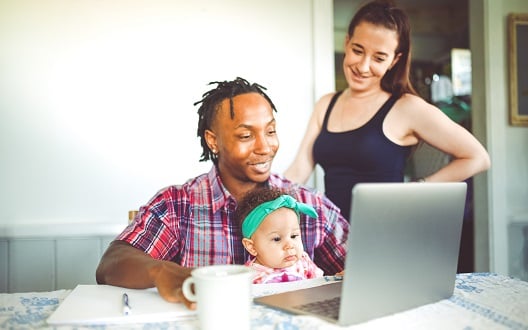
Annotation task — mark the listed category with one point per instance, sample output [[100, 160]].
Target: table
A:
[[480, 301]]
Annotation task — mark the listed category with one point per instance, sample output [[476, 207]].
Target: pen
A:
[[126, 306], [333, 278]]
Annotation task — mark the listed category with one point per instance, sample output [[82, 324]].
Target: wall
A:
[[97, 98], [507, 181], [96, 111]]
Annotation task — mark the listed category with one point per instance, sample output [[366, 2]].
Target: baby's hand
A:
[[341, 273]]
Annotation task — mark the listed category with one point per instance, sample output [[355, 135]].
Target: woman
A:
[[366, 132]]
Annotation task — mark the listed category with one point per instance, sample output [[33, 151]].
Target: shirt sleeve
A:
[[153, 232], [330, 254]]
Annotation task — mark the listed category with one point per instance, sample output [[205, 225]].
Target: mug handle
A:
[[186, 289]]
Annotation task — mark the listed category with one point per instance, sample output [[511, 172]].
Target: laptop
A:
[[402, 253]]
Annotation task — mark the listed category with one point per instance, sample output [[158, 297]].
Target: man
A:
[[193, 225]]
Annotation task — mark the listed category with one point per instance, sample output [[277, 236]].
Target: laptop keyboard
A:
[[328, 308]]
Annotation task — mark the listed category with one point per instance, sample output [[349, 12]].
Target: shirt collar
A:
[[220, 195]]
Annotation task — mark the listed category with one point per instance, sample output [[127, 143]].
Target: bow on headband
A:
[[257, 215]]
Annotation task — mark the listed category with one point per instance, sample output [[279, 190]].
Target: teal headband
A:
[[257, 215]]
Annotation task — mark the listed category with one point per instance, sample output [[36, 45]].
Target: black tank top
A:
[[364, 154]]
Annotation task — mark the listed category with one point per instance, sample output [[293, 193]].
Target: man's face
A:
[[247, 143]]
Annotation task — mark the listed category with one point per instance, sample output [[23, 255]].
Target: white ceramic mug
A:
[[222, 294]]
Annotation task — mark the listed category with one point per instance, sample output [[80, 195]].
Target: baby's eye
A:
[[276, 239], [294, 236]]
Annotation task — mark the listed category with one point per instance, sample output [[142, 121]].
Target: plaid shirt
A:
[[191, 224]]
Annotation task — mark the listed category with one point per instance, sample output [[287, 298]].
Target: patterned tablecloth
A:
[[480, 301]]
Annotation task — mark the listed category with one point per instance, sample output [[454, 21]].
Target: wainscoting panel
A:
[[77, 259], [3, 265], [47, 264], [31, 265]]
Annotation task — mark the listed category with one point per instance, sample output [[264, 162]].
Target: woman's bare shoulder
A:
[[412, 104], [411, 99]]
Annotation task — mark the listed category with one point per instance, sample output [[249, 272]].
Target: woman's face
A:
[[369, 54]]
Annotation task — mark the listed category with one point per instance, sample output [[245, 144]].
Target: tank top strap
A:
[[385, 108], [329, 109]]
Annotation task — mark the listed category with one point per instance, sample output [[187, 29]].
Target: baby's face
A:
[[278, 239]]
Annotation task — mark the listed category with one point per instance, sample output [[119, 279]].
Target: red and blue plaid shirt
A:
[[191, 224]]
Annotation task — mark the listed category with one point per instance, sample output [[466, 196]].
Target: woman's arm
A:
[[431, 125], [303, 164]]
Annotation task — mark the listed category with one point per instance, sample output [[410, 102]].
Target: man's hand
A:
[[126, 266], [168, 278]]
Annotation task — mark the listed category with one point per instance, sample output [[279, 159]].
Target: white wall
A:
[[96, 97], [507, 183]]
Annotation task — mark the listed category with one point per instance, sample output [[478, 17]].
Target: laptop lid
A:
[[402, 252]]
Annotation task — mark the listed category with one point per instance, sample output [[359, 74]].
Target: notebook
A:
[[402, 252], [92, 305]]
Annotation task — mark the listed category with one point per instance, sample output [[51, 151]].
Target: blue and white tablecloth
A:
[[480, 301]]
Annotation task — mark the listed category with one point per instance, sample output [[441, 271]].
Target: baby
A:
[[271, 234]]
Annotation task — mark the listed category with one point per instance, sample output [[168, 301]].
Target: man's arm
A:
[[126, 266]]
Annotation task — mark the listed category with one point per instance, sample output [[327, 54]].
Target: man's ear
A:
[[210, 138], [248, 244]]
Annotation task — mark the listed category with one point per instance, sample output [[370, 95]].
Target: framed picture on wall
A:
[[518, 62]]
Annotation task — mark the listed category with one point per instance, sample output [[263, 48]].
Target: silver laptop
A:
[[402, 252]]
